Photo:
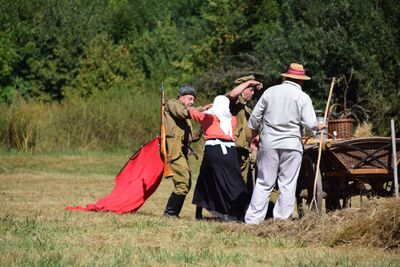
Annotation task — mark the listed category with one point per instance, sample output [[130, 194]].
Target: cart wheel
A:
[[305, 186]]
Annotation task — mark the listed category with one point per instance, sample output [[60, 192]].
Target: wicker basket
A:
[[342, 127]]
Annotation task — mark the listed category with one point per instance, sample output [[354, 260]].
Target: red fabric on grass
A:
[[137, 181]]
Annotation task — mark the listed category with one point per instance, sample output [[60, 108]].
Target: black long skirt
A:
[[220, 187]]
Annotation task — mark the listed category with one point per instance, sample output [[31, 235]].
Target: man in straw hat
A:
[[279, 116], [239, 97]]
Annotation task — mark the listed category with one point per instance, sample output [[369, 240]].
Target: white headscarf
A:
[[220, 108]]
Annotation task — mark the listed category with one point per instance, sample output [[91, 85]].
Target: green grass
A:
[[83, 163], [35, 230]]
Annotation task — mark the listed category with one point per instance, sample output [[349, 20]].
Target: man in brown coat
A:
[[179, 135]]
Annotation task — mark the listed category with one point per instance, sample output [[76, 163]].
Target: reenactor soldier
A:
[[179, 135], [240, 96]]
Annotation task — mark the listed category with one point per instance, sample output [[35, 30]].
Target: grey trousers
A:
[[273, 164]]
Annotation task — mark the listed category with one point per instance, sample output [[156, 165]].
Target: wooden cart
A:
[[349, 167]]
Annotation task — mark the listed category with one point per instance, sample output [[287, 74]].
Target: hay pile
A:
[[364, 130], [375, 224]]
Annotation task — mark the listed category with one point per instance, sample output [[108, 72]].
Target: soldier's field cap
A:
[[244, 79], [187, 90]]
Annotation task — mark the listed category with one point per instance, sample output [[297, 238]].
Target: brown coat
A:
[[242, 131], [179, 129]]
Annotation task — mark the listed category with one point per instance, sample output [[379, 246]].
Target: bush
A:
[[106, 121], [19, 124]]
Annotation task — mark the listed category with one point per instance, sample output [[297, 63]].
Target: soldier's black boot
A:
[[199, 213], [174, 205]]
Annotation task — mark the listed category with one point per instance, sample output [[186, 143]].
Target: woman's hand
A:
[[206, 107]]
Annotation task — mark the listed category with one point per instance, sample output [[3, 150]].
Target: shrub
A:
[[105, 121], [19, 124]]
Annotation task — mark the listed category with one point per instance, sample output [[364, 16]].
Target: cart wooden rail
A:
[[357, 166]]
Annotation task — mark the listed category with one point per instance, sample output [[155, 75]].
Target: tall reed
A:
[[105, 121], [19, 124]]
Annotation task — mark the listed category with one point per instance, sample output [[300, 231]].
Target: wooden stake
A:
[[317, 172], [394, 153]]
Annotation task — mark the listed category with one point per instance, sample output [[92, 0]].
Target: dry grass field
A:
[[35, 230]]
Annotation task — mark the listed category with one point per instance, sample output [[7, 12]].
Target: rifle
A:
[[163, 144]]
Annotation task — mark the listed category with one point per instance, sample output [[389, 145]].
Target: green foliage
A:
[[8, 56], [224, 52], [160, 54], [58, 50], [339, 39], [106, 66], [49, 37], [133, 18]]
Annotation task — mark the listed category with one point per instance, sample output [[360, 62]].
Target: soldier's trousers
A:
[[182, 176], [244, 158]]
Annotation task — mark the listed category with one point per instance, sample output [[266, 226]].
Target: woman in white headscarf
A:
[[220, 188]]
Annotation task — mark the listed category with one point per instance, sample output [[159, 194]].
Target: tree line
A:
[[52, 51]]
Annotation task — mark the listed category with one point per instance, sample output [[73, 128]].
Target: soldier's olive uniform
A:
[[243, 138], [179, 134]]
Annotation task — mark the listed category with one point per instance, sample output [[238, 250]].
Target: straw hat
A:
[[296, 71]]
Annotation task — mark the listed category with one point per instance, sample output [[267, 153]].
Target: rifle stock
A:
[[163, 143]]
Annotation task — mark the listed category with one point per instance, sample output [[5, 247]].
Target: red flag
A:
[[136, 182]]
